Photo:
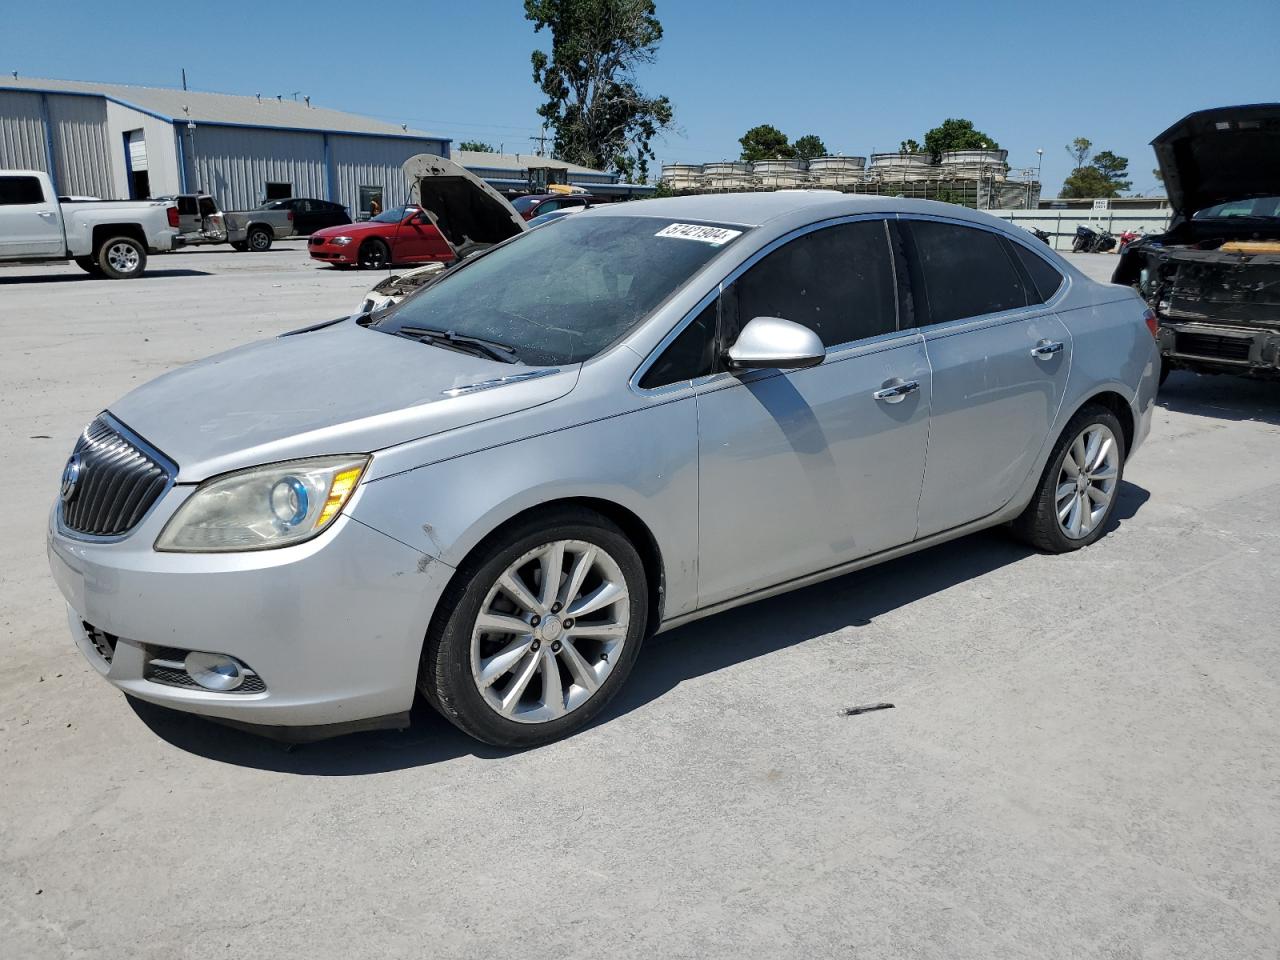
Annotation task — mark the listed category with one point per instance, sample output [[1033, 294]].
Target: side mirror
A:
[[776, 344]]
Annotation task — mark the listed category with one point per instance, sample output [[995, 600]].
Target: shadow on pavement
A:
[[706, 646], [1222, 396], [7, 278]]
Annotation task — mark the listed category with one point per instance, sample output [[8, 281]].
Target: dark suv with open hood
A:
[[1214, 278]]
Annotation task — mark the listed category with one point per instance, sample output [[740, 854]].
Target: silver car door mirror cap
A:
[[778, 344]]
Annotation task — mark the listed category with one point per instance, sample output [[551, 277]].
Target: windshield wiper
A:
[[488, 348]]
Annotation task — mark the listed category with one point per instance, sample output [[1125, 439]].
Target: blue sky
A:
[[863, 76]]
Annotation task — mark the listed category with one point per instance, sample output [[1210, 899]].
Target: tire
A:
[[450, 674], [374, 255], [121, 258], [89, 266], [239, 245], [1040, 524], [258, 239]]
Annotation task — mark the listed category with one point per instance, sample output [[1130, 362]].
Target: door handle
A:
[[44, 213], [896, 392], [1046, 349]]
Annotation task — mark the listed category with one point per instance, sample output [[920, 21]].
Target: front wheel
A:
[[538, 632], [1078, 489], [121, 258], [374, 255]]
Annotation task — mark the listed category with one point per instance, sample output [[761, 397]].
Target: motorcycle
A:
[[1042, 235], [1092, 241], [1128, 237]]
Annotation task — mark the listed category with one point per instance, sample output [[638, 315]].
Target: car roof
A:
[[757, 209]]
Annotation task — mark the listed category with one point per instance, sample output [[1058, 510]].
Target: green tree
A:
[[810, 146], [600, 116], [911, 146], [479, 146], [765, 142], [955, 134], [1079, 149], [1113, 167]]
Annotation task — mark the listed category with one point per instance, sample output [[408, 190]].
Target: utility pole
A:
[[184, 78], [541, 141]]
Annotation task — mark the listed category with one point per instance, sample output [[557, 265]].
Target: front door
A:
[[418, 241], [30, 224], [806, 469], [999, 358]]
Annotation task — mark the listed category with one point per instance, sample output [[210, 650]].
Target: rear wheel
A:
[[374, 255], [542, 629], [1081, 482], [121, 258], [258, 239]]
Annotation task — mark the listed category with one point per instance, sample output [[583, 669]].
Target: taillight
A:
[[289, 215], [1152, 323], [172, 213]]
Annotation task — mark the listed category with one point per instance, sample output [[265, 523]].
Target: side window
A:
[[1044, 277], [837, 281], [207, 207], [16, 191], [689, 355], [962, 271]]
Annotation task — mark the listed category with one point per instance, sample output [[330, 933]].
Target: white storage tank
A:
[[973, 164], [903, 166], [682, 176], [781, 173], [728, 174], [837, 169]]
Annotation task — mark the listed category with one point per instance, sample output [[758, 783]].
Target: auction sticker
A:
[[716, 236]]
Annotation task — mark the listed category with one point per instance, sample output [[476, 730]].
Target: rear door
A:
[[30, 221], [999, 358]]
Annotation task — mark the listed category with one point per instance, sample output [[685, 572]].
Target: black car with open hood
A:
[[1214, 278]]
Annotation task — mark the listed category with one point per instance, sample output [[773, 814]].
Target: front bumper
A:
[[332, 627], [331, 252]]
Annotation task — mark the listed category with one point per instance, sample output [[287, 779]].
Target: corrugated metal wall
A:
[[234, 164], [21, 131], [80, 148], [372, 162]]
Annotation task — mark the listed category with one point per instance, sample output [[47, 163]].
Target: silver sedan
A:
[[492, 492]]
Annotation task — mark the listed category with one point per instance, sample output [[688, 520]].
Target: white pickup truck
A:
[[107, 238]]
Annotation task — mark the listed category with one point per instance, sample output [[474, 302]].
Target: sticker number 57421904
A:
[[716, 236]]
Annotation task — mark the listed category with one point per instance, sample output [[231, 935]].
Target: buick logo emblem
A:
[[70, 478]]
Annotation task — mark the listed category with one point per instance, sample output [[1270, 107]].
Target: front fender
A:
[[645, 461]]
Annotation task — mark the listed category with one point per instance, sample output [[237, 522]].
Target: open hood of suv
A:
[[469, 213], [1213, 156]]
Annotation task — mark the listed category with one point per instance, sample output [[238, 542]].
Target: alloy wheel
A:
[[123, 257], [550, 631], [1087, 481], [259, 241]]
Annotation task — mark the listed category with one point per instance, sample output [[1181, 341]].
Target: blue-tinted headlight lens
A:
[[289, 501]]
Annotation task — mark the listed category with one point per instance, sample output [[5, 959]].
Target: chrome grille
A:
[[116, 482]]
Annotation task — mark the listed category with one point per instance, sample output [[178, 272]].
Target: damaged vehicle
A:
[[494, 492], [1213, 279], [450, 215]]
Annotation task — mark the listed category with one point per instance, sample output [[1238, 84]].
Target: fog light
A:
[[214, 671]]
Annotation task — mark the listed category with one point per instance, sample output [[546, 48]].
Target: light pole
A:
[[1039, 164]]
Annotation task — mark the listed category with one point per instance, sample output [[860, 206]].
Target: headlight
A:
[[340, 241], [263, 507]]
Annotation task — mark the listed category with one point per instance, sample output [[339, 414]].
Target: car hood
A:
[[352, 229], [469, 213], [1213, 156], [339, 388]]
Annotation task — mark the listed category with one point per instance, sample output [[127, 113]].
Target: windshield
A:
[[394, 215], [525, 204], [1253, 207], [563, 295]]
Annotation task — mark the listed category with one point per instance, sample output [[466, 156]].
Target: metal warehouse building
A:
[[119, 142]]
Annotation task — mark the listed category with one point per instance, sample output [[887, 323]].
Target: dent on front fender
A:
[[644, 461]]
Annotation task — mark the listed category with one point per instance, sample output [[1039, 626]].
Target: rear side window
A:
[[1044, 277], [962, 271], [20, 190], [689, 355], [837, 281]]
